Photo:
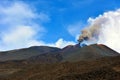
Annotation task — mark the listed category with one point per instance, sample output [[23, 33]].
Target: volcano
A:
[[93, 62], [51, 54], [95, 51]]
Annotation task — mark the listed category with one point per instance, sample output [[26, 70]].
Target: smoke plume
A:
[[104, 29]]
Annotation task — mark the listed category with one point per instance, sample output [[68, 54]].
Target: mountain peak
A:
[[89, 52]]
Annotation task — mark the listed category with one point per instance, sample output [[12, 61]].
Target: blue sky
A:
[[25, 23]]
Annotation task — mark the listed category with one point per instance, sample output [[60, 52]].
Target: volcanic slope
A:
[[25, 53], [93, 62], [71, 53], [92, 52]]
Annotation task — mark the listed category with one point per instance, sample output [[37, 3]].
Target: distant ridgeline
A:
[[45, 54]]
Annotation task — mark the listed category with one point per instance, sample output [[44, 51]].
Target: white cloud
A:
[[18, 33], [20, 13], [19, 29], [62, 43], [17, 37]]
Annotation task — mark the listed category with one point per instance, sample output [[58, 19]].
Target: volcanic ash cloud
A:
[[104, 29]]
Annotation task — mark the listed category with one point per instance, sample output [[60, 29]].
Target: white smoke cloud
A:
[[104, 29]]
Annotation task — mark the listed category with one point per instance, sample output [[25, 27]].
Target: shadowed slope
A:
[[25, 53]]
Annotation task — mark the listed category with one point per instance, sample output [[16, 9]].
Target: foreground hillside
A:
[[102, 69]]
